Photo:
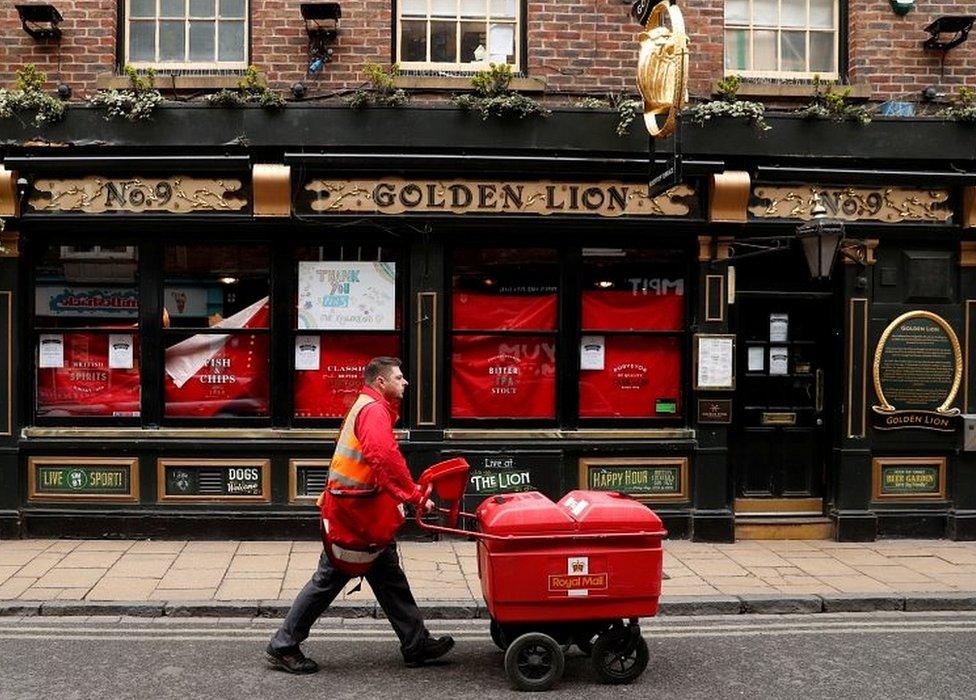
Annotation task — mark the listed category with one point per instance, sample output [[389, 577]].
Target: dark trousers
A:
[[390, 586]]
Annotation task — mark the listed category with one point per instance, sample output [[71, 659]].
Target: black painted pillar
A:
[[10, 481], [426, 334], [961, 521]]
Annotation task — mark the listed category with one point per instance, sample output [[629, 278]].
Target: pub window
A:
[[186, 33], [216, 331], [632, 326], [789, 38], [504, 306], [86, 335], [459, 34], [346, 312]]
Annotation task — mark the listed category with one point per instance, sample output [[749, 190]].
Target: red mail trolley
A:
[[580, 571]]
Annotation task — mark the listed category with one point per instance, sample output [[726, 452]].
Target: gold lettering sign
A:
[[891, 205], [137, 195], [396, 196]]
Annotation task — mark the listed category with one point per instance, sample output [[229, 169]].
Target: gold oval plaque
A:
[[914, 350], [662, 68]]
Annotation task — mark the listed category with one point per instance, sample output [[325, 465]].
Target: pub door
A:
[[780, 443]]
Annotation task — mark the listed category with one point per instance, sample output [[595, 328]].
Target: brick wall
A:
[[575, 46]]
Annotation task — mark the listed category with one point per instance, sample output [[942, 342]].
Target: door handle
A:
[[818, 398]]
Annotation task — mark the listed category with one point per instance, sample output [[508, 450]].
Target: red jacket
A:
[[374, 428]]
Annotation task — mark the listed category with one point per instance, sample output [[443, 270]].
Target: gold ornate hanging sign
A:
[[662, 64], [889, 204], [137, 195]]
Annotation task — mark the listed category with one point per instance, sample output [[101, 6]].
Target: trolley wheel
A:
[[620, 655], [498, 635], [534, 661]]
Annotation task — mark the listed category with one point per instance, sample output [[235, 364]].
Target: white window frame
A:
[[471, 66], [187, 65], [751, 26]]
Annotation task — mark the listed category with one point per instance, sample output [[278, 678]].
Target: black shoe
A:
[[431, 649], [290, 660]]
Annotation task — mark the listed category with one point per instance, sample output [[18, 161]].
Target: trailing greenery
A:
[[493, 96], [628, 109], [963, 107], [380, 90], [250, 90], [592, 103], [828, 104], [135, 103], [28, 96], [728, 104]]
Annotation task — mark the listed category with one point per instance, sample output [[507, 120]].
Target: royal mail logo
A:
[[577, 567], [570, 582]]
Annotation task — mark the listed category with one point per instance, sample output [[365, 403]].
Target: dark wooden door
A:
[[783, 369]]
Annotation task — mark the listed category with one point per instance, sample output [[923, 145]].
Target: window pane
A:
[[172, 8], [794, 13], [822, 52], [171, 41], [641, 378], [794, 46], [413, 41], [501, 43], [217, 375], [473, 8], [443, 42], [763, 50], [443, 8], [413, 7], [142, 8], [201, 8], [737, 11], [88, 374], [765, 12], [822, 14], [231, 36], [329, 390], [142, 41], [628, 298], [512, 376], [473, 36], [201, 41], [232, 8], [503, 8], [736, 49]]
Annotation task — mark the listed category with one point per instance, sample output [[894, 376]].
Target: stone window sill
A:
[[792, 90], [168, 82], [457, 83]]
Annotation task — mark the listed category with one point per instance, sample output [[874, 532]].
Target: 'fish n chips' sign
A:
[[346, 295]]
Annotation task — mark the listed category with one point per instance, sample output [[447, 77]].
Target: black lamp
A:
[[821, 238], [955, 27], [40, 21], [322, 27]]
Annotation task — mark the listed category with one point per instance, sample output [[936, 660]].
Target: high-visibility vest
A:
[[358, 519]]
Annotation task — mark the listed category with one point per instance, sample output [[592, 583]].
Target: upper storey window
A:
[[458, 34], [186, 33], [781, 38]]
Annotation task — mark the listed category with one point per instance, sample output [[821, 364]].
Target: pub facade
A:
[[773, 343]]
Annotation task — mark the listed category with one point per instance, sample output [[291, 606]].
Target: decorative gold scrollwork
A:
[[662, 68]]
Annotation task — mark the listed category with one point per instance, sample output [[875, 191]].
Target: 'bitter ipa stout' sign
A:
[[917, 373], [644, 479]]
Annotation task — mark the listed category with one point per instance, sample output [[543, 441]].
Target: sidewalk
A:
[[162, 577]]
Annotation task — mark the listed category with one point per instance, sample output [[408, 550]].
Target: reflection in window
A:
[[794, 37], [186, 33], [460, 33]]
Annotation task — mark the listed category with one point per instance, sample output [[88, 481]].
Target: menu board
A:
[[714, 362]]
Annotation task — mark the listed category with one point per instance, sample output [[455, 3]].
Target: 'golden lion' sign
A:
[[662, 67]]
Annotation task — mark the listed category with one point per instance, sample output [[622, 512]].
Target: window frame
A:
[[125, 37], [519, 51], [839, 41]]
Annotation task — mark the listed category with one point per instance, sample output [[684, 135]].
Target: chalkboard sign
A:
[[909, 478], [650, 479], [306, 479], [229, 480], [506, 472], [83, 478]]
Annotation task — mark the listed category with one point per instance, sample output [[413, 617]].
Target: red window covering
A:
[[638, 372], [330, 391], [611, 309], [503, 376], [86, 385], [481, 311], [221, 374]]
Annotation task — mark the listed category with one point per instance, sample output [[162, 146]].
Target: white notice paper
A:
[[779, 363], [307, 352], [592, 352], [501, 41], [120, 351], [50, 353], [757, 359], [779, 325], [714, 363], [346, 296]]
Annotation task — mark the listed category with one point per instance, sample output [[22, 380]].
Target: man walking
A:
[[367, 464]]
